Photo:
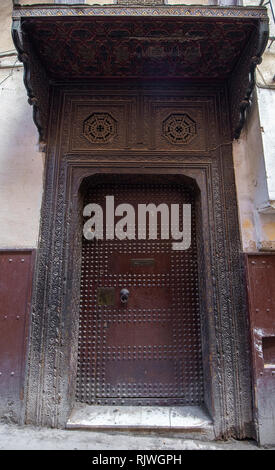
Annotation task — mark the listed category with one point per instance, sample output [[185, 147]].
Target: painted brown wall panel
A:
[[261, 292], [16, 268]]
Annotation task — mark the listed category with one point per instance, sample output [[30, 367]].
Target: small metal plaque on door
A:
[[106, 295], [143, 262]]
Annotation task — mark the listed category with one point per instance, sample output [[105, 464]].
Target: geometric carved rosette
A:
[[179, 129], [99, 128]]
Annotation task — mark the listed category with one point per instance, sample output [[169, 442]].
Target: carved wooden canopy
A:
[[179, 42]]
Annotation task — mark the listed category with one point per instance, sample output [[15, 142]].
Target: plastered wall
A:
[[21, 162], [254, 158], [250, 175], [254, 161]]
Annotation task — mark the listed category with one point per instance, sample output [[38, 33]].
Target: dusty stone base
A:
[[182, 420], [30, 438]]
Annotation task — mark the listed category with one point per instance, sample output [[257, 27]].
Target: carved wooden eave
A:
[[166, 41]]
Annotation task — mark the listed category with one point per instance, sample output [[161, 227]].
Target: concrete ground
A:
[[29, 438]]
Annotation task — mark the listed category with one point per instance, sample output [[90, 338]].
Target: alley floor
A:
[[30, 438]]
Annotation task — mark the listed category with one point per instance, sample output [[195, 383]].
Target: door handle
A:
[[124, 295]]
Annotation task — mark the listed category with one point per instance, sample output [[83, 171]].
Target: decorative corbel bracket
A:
[[242, 83], [35, 79]]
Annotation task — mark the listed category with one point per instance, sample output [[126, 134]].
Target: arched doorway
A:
[[144, 349]]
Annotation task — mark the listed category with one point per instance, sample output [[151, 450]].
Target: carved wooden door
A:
[[146, 350]]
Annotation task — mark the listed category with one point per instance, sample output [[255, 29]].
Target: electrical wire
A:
[[266, 86], [11, 72], [8, 53]]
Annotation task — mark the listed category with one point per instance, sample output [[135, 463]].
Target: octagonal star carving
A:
[[100, 128], [179, 129]]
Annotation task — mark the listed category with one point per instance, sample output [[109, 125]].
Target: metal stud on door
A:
[[139, 338]]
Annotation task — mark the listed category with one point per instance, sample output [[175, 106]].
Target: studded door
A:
[[146, 350]]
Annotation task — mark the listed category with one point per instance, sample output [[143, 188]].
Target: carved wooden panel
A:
[[137, 122], [140, 47], [121, 116], [159, 114]]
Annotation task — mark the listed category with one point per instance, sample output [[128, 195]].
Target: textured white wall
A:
[[5, 25], [267, 118], [21, 163], [250, 177], [259, 180], [254, 161]]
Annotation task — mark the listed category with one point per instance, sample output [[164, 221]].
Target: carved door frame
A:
[[53, 344]]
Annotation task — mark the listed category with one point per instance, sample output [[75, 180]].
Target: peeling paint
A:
[[269, 230], [247, 224]]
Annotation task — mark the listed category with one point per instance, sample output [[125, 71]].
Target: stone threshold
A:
[[186, 419]]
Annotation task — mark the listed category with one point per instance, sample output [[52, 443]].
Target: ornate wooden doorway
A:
[[124, 85], [171, 133], [141, 347]]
